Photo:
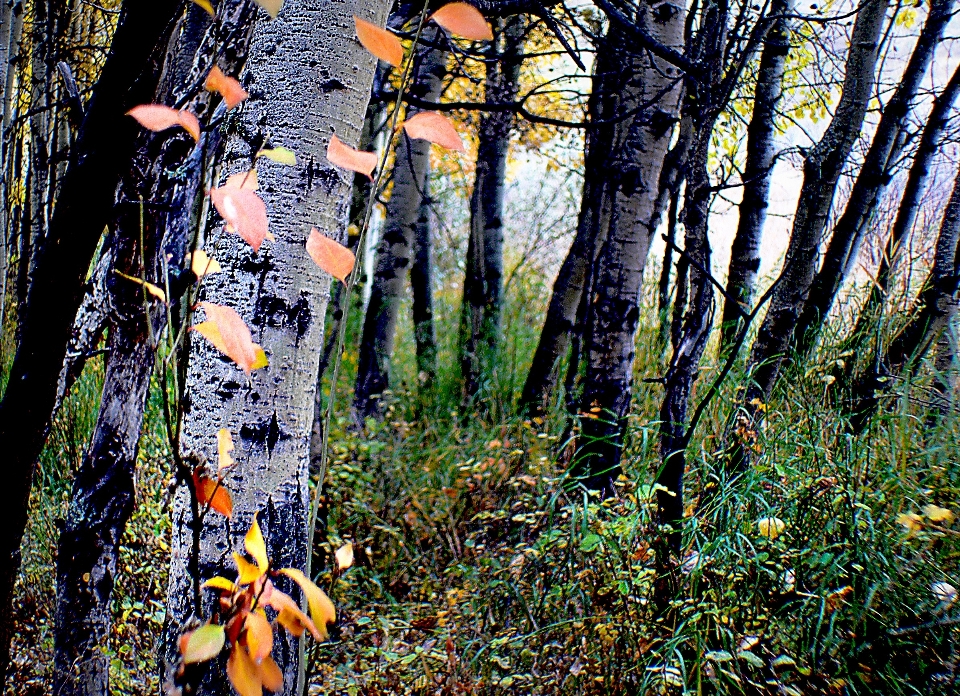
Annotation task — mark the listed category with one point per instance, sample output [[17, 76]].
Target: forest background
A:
[[517, 347]]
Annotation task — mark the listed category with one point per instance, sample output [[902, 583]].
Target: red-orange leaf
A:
[[382, 43], [321, 608], [259, 636], [157, 117], [213, 493], [227, 332], [331, 256], [346, 157], [244, 673], [244, 213], [429, 125], [271, 675], [463, 20], [226, 87]]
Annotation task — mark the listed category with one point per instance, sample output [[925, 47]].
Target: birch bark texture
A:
[[394, 250], [821, 171], [309, 78]]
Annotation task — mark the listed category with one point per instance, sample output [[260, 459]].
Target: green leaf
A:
[[719, 656], [751, 659], [783, 661], [204, 644], [280, 155]]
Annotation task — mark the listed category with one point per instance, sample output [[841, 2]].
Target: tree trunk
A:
[[393, 251], [649, 89], [282, 296], [99, 155], [934, 308], [421, 278], [482, 301], [757, 172], [851, 228], [821, 171], [167, 172]]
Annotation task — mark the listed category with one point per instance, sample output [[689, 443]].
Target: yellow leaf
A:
[[149, 287], [244, 673], [322, 610], [771, 527], [271, 675], [289, 615], [206, 6], [255, 545], [204, 644], [935, 513], [911, 521], [280, 155], [345, 556], [203, 265], [219, 583], [249, 573], [260, 357], [259, 636], [224, 448]]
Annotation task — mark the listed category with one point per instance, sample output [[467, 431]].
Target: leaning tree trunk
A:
[[103, 148], [482, 284], [934, 308], [166, 172], [851, 228], [821, 171], [757, 172], [282, 296], [649, 88], [393, 251]]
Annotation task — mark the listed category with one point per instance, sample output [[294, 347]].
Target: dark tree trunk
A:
[[166, 169], [393, 251], [482, 301], [101, 152], [758, 170], [421, 278], [663, 286], [851, 228], [648, 88], [934, 308], [821, 171]]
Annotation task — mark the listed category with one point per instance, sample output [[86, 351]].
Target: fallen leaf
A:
[[838, 597], [255, 545], [332, 257], [382, 43], [224, 448], [204, 644], [244, 212], [280, 155], [272, 7], [945, 594], [938, 514], [771, 527], [156, 118], [149, 287], [203, 265], [342, 155], [259, 636], [244, 673], [322, 610], [228, 334], [435, 127], [345, 556], [911, 521], [463, 20], [226, 87], [212, 493]]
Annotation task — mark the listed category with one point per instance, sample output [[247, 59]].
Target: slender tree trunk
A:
[[944, 388], [166, 172], [851, 228], [758, 170], [421, 278], [103, 148], [821, 171], [650, 88], [282, 296], [663, 286], [393, 252], [482, 301]]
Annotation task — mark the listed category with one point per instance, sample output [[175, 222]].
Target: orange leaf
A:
[[259, 636], [382, 43], [226, 87], [331, 256], [227, 332], [224, 448], [463, 20], [244, 673], [290, 616], [243, 180], [249, 572], [210, 492], [244, 212], [271, 675], [157, 117], [429, 125], [255, 545], [346, 157], [321, 608]]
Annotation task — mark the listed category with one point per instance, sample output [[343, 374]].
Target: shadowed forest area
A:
[[484, 347]]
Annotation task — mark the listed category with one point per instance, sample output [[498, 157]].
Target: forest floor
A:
[[828, 568]]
